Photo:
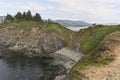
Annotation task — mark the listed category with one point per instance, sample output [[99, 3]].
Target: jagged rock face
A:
[[50, 43], [43, 44]]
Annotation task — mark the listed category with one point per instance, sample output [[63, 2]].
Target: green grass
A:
[[57, 28], [23, 24], [60, 30], [94, 35]]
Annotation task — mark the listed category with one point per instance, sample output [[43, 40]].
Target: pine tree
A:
[[18, 16], [9, 18], [37, 17], [24, 15], [28, 15]]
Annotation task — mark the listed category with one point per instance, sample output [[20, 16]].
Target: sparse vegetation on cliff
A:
[[95, 42]]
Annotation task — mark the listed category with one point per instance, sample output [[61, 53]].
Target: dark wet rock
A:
[[52, 73], [1, 55]]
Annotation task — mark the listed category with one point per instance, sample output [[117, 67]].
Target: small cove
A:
[[28, 69], [54, 67], [77, 28]]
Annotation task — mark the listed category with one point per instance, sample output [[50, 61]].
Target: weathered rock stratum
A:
[[28, 42]]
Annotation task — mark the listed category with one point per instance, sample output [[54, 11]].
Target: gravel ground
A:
[[67, 58]]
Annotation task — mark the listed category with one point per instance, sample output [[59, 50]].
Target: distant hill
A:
[[70, 23], [2, 18]]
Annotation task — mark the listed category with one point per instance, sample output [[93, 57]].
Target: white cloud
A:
[[91, 10], [23, 6]]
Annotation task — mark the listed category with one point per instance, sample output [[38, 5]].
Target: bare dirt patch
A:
[[106, 72]]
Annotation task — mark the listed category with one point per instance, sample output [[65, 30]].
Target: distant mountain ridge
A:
[[71, 23]]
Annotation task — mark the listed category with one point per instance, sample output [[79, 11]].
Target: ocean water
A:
[[76, 28], [28, 69]]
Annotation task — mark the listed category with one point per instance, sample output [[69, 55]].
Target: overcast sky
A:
[[94, 11]]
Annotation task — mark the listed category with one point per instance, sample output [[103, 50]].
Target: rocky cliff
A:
[[29, 42]]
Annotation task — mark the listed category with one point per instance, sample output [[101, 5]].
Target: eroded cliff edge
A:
[[32, 41]]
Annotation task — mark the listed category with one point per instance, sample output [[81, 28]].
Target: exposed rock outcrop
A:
[[29, 45], [50, 43]]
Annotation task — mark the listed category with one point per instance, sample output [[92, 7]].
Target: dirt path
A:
[[107, 72]]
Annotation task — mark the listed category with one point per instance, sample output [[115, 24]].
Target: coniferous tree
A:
[[18, 16], [37, 17], [9, 18], [24, 15], [28, 15]]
